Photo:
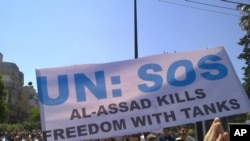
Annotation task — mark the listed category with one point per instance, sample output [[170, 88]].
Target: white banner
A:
[[94, 101]]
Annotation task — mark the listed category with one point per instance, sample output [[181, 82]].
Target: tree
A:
[[34, 114], [34, 119], [244, 22], [3, 104]]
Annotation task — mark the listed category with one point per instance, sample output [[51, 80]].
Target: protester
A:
[[151, 137], [143, 136], [134, 137], [184, 135], [216, 132], [166, 135], [4, 136]]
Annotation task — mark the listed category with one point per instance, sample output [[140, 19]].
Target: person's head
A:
[[151, 137], [17, 138], [109, 139], [166, 131], [184, 131], [134, 137]]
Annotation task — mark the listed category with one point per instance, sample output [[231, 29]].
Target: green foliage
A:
[[244, 22], [32, 125], [34, 119], [34, 114], [3, 104], [11, 127]]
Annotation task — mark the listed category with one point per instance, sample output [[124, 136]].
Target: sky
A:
[[54, 33]]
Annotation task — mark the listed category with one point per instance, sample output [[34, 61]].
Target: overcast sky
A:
[[52, 33]]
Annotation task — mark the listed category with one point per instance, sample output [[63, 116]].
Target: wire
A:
[[183, 5], [211, 5], [234, 2]]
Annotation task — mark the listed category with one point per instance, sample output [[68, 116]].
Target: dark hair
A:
[[134, 135], [166, 128]]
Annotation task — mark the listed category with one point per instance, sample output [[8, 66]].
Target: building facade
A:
[[19, 98]]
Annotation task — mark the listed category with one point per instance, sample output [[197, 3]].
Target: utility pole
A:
[[135, 30]]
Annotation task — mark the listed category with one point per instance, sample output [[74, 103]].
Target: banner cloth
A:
[[92, 101]]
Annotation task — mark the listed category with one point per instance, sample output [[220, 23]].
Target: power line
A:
[[235, 2], [212, 5], [183, 5]]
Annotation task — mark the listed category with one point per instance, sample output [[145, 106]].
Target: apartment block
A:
[[19, 98]]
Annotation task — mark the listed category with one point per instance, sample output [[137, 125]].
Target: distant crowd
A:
[[215, 133], [166, 135], [15, 135]]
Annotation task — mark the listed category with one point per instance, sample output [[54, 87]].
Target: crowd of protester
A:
[[36, 135], [165, 135], [215, 133], [16, 135]]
